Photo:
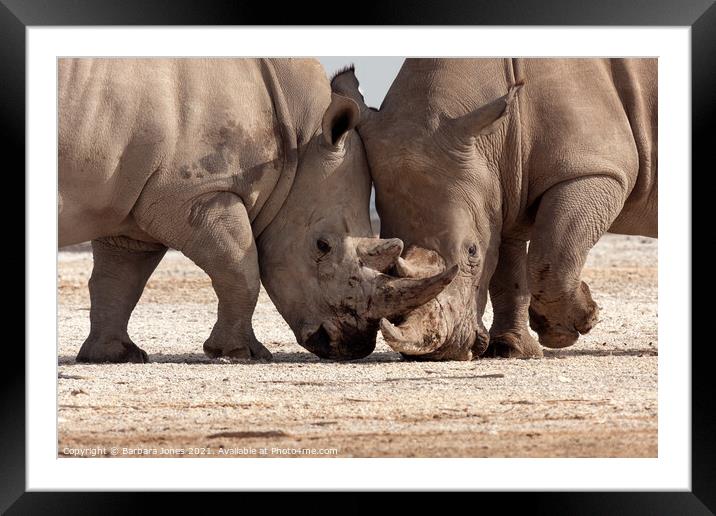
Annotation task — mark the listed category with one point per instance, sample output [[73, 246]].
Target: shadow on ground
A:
[[280, 357], [551, 354]]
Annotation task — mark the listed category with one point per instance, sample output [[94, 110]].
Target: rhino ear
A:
[[486, 119], [344, 82], [341, 116]]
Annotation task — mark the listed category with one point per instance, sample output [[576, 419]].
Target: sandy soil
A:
[[596, 399]]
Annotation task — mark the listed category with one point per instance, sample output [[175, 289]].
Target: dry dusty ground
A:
[[596, 399]]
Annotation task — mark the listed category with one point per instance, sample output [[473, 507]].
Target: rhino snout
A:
[[344, 343], [445, 328]]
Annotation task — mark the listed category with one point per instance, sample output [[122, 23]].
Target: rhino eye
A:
[[473, 258], [323, 246]]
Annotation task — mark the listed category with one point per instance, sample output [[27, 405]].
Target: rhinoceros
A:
[[249, 167], [473, 158]]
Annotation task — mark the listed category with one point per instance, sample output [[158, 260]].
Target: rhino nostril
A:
[[319, 342], [333, 332], [344, 342]]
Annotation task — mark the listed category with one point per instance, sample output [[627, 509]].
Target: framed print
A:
[[420, 252]]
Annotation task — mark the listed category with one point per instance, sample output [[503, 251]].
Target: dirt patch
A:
[[595, 399]]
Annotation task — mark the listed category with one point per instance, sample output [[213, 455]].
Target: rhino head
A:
[[437, 189], [320, 263]]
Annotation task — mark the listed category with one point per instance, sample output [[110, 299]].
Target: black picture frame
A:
[[700, 15]]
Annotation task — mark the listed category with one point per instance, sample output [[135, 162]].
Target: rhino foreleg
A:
[[216, 235], [510, 296], [570, 219], [122, 267]]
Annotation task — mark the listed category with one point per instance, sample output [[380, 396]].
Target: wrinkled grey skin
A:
[[471, 158], [253, 170]]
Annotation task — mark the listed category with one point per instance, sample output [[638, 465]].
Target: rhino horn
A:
[[378, 253], [396, 296]]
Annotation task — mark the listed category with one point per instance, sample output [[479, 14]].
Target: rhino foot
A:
[[253, 350], [116, 350], [559, 325], [514, 344]]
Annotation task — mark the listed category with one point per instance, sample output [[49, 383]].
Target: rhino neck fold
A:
[[289, 151], [508, 160], [513, 183]]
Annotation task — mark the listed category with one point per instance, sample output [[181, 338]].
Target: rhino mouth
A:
[[421, 332], [352, 344], [432, 346]]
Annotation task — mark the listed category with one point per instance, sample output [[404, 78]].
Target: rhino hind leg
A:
[[215, 233], [121, 269], [571, 218], [510, 296]]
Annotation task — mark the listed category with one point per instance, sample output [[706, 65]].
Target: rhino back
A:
[[427, 89], [132, 130], [575, 117], [591, 116]]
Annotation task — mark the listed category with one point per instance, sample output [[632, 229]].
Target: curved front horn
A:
[[397, 296]]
